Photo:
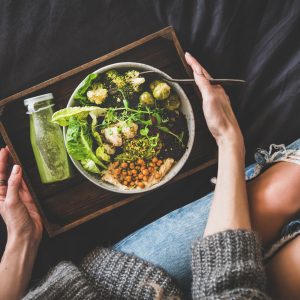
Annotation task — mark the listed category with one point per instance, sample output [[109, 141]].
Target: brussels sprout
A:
[[173, 102], [154, 83], [162, 91], [146, 99]]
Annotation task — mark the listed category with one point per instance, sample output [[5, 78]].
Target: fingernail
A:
[[187, 54], [16, 169]]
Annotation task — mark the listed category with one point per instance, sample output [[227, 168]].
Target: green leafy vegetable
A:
[[167, 130], [90, 166], [101, 154], [63, 116], [81, 93], [144, 131], [79, 141], [94, 115]]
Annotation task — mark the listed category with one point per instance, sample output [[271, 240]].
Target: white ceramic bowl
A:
[[185, 108]]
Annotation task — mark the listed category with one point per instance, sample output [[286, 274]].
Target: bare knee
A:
[[283, 272], [274, 199]]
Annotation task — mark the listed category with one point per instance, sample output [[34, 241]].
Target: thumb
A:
[[14, 183], [200, 74]]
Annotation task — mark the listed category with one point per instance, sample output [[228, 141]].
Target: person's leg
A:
[[167, 241], [274, 199], [283, 272]]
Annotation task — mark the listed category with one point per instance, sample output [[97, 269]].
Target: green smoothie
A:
[[47, 140]]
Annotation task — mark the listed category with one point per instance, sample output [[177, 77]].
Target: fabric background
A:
[[255, 40]]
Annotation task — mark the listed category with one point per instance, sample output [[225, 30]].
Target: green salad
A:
[[127, 128]]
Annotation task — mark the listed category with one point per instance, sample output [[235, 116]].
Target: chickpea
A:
[[131, 166], [151, 164], [116, 163], [117, 171], [151, 169], [134, 172], [140, 162], [141, 185], [132, 183], [145, 172], [140, 176], [128, 178], [143, 168], [124, 173], [154, 159], [159, 163], [124, 165], [129, 172], [125, 182]]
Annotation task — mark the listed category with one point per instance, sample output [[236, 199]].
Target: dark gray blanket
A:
[[255, 40]]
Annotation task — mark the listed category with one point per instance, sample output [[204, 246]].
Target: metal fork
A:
[[225, 81]]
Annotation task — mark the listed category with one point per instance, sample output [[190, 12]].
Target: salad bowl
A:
[[185, 109]]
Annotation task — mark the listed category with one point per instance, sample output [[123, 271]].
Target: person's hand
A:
[[17, 207], [24, 230], [218, 113]]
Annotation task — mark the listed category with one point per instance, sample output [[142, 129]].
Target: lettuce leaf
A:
[[90, 166], [81, 93], [94, 115], [63, 116], [79, 141], [101, 154]]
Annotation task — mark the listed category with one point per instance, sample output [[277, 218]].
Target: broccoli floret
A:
[[132, 74], [115, 78], [133, 79], [98, 93]]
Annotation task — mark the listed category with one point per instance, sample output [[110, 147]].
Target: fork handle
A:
[[212, 81]]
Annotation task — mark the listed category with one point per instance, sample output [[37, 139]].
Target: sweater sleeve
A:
[[228, 265], [105, 274], [63, 282]]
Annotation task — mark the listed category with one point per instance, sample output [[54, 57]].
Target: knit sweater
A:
[[226, 265]]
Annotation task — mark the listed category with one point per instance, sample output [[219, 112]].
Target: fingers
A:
[[200, 74], [14, 183], [4, 157]]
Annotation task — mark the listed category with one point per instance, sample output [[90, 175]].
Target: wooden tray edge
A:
[[87, 65], [53, 233]]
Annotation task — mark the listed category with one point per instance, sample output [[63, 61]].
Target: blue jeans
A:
[[167, 241]]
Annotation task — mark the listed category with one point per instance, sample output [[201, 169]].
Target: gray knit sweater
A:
[[226, 265]]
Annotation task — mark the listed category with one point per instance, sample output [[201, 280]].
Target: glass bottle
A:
[[47, 140]]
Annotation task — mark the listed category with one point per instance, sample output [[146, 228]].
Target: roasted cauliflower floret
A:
[[134, 80], [113, 136], [97, 94], [109, 149], [129, 131]]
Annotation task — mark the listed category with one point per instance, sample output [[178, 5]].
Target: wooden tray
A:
[[67, 204]]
